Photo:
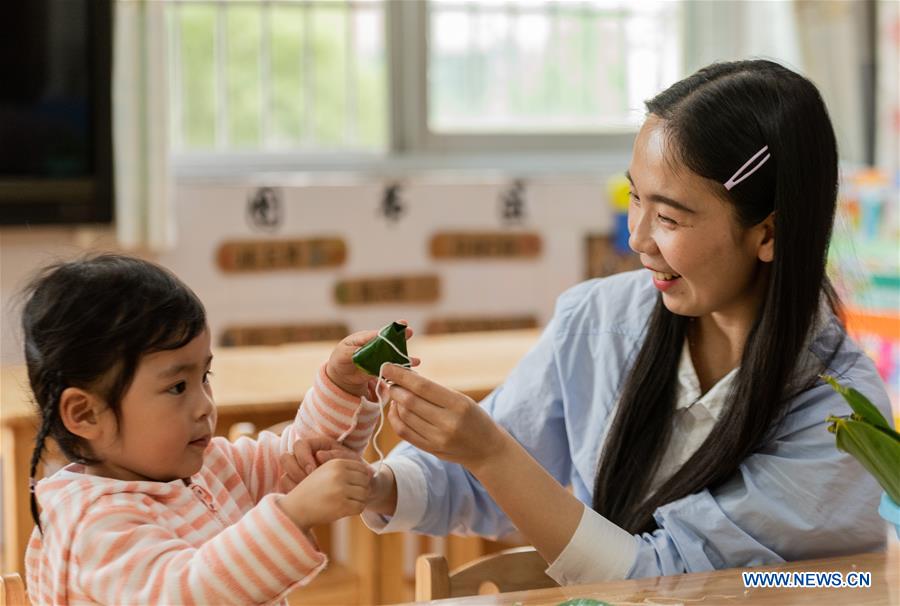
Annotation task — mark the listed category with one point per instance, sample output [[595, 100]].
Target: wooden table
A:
[[259, 384], [722, 587]]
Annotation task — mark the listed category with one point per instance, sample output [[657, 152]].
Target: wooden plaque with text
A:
[[278, 334], [275, 255], [436, 326], [485, 245], [389, 289]]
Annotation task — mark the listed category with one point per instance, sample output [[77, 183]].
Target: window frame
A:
[[412, 148]]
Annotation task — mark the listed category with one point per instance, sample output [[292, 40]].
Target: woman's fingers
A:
[[425, 388], [405, 431], [413, 404]]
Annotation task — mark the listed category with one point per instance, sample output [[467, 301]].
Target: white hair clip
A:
[[734, 180]]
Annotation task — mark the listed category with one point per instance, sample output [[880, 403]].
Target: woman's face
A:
[[698, 255]]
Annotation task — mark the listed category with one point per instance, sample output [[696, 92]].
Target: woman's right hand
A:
[[443, 422], [337, 489]]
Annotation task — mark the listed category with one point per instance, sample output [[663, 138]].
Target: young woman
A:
[[682, 403]]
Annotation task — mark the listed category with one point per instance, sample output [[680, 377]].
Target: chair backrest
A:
[[515, 569], [12, 590]]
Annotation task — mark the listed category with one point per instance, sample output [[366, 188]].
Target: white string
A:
[[381, 402]]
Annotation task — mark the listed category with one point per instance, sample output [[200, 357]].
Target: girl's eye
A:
[[178, 388], [667, 220], [634, 199], [206, 376]]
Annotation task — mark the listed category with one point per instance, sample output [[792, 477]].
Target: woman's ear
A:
[[80, 411], [766, 242]]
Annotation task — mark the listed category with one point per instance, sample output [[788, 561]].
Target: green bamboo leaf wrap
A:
[[859, 403], [376, 352], [876, 450]]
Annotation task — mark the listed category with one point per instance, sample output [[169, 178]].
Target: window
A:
[[308, 79], [526, 66], [287, 75]]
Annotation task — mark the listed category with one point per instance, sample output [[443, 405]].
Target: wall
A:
[[562, 211]]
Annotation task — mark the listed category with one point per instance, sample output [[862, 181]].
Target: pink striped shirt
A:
[[221, 539]]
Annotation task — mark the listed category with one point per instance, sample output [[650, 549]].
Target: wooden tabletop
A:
[[273, 377], [722, 587]]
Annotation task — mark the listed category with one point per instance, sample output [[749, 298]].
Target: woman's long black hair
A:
[[716, 120], [86, 324]]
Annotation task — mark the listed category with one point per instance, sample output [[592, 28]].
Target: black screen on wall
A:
[[55, 118]]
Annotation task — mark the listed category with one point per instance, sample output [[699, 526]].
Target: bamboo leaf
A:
[[373, 354], [876, 450], [859, 403]]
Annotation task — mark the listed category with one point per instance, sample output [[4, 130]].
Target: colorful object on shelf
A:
[[388, 346], [878, 333], [864, 258], [864, 265], [619, 190], [584, 602]]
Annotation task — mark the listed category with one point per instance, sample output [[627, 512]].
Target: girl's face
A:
[[698, 255], [167, 417]]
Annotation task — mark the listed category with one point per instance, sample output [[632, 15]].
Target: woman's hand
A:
[[453, 427], [446, 423]]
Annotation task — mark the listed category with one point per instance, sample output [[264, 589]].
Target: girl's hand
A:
[[337, 489], [345, 374], [446, 423], [307, 454]]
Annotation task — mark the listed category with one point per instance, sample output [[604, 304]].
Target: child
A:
[[154, 509]]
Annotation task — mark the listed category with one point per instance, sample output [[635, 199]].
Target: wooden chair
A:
[[515, 569], [12, 590]]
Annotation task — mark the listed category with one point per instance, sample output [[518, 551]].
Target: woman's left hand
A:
[[444, 422]]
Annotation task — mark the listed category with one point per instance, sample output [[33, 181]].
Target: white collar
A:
[[687, 392]]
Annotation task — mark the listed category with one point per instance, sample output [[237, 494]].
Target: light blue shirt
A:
[[797, 497]]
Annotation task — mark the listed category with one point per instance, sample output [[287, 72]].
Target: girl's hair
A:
[[86, 324], [716, 120]]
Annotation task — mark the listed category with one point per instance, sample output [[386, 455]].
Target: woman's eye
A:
[[178, 388], [667, 220], [206, 376], [634, 199]]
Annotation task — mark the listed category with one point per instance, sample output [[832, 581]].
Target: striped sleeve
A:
[[327, 410], [125, 556]]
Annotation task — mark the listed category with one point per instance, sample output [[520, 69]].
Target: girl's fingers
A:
[[336, 453], [291, 468], [356, 479], [358, 495], [358, 339], [303, 455]]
